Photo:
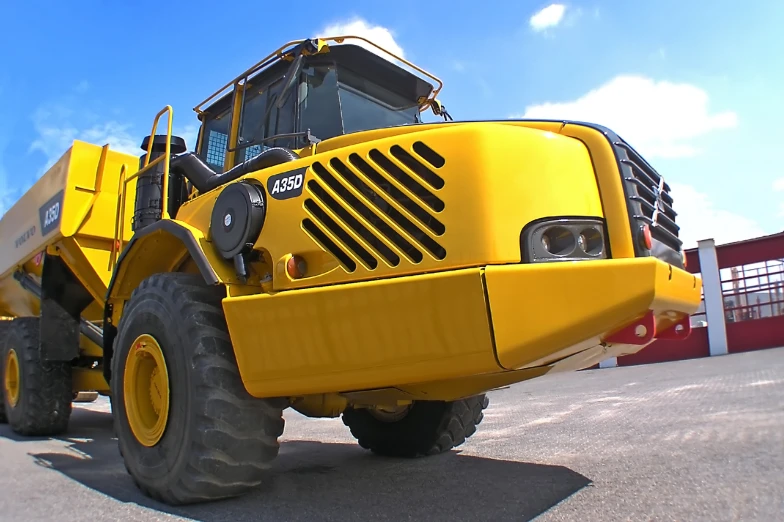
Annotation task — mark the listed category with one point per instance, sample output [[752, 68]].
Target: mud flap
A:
[[63, 299]]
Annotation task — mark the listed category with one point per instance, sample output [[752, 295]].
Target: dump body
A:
[[67, 218], [71, 211]]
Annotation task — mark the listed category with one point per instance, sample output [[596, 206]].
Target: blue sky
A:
[[695, 86]]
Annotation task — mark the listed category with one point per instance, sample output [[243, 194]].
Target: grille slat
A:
[[642, 184], [391, 212], [390, 167], [361, 232], [651, 181], [330, 223], [657, 228], [329, 244], [421, 170], [662, 215], [395, 195], [372, 219], [377, 207], [649, 196]]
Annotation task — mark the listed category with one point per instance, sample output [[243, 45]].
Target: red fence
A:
[[752, 289]]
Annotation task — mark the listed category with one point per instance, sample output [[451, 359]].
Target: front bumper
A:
[[463, 327], [547, 312]]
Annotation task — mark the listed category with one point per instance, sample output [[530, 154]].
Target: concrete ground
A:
[[690, 440]]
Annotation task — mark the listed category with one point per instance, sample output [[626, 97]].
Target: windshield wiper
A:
[[280, 98], [310, 137]]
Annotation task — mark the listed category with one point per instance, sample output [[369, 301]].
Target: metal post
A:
[[714, 300], [612, 362]]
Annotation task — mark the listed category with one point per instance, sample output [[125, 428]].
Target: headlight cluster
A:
[[564, 239]]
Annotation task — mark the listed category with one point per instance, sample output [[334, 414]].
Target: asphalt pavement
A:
[[689, 440]]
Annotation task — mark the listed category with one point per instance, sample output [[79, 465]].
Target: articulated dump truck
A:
[[322, 248]]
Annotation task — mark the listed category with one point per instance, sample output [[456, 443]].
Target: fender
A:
[[163, 246]]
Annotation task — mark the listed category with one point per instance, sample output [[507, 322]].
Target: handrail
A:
[[117, 218], [119, 224], [279, 53]]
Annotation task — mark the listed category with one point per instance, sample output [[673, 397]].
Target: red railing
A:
[[752, 284]]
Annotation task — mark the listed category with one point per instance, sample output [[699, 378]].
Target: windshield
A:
[[348, 90], [338, 101], [367, 105]]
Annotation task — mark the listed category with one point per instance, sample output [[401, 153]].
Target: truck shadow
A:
[[328, 481]]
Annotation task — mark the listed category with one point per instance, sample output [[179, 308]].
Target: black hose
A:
[[195, 170]]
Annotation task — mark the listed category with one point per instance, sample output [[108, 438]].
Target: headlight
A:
[[564, 239]]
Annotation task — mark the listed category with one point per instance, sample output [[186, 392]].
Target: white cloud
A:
[[548, 17], [56, 133], [377, 34], [699, 219], [659, 118]]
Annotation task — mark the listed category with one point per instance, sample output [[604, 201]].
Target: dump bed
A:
[[71, 209]]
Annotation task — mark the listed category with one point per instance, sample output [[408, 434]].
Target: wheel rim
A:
[[146, 390], [390, 414], [11, 380]]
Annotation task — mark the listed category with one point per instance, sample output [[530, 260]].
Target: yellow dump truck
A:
[[322, 248]]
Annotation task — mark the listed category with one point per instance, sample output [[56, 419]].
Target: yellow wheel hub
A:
[[11, 378], [146, 390]]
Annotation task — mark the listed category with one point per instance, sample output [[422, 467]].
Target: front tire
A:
[[428, 428], [199, 435], [36, 394]]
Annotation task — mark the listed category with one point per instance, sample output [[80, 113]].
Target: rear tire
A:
[[218, 441], [428, 428], [41, 403]]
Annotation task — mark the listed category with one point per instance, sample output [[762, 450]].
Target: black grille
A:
[[649, 198], [356, 198]]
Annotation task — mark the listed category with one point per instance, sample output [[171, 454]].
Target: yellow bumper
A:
[[542, 313], [449, 327]]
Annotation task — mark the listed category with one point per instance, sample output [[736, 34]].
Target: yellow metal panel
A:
[[364, 335], [85, 379], [21, 226], [540, 310], [507, 177], [610, 184], [610, 187]]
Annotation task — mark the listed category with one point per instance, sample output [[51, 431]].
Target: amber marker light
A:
[[646, 237], [296, 267]]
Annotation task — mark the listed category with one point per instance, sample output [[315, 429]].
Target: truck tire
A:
[[36, 395], [428, 428], [214, 440]]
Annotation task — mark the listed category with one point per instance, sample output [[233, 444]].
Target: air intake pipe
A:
[[147, 208], [205, 179]]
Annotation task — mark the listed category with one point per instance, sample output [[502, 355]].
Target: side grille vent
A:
[[379, 207], [649, 196]]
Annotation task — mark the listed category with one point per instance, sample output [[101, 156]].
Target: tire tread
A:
[[234, 435]]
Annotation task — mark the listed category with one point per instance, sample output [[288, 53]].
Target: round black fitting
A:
[[237, 218], [159, 144]]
